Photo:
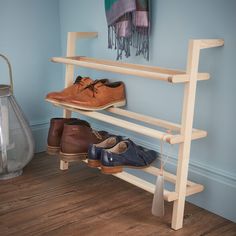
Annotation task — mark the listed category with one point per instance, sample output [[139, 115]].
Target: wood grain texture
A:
[[146, 71], [82, 201], [141, 129]]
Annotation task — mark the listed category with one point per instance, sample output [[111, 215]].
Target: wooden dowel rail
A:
[[144, 118], [169, 196], [149, 187], [84, 34], [147, 119], [185, 77], [209, 43], [170, 138], [118, 122], [168, 75], [117, 69], [197, 134], [130, 65], [167, 175]]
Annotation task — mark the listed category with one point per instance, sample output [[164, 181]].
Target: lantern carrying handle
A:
[[10, 70]]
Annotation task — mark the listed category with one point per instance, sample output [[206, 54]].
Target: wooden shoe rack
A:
[[184, 133]]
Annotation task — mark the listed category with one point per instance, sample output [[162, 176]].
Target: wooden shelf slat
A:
[[197, 134], [170, 138], [144, 118], [210, 43], [149, 187], [147, 119], [169, 196], [115, 121], [152, 72], [169, 177]]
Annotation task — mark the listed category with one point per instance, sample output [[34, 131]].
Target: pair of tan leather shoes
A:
[[86, 94]]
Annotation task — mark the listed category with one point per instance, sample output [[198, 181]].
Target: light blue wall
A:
[[213, 160], [31, 31], [29, 36]]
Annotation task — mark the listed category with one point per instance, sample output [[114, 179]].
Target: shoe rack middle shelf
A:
[[154, 133]]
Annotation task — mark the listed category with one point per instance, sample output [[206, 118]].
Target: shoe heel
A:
[[120, 104], [53, 151], [94, 163], [111, 170], [71, 157]]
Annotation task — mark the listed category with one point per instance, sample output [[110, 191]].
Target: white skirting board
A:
[[40, 133]]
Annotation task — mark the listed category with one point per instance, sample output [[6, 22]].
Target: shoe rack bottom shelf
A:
[[169, 196]]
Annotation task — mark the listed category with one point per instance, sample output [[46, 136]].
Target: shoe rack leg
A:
[[186, 131], [70, 52], [71, 41]]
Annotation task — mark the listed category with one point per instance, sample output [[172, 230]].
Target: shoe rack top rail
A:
[[152, 72]]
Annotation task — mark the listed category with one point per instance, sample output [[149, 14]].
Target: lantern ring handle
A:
[[10, 70]]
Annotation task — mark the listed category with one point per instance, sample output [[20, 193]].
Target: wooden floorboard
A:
[[82, 201]]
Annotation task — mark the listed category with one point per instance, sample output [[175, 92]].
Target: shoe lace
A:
[[78, 80], [93, 88], [140, 152], [97, 134]]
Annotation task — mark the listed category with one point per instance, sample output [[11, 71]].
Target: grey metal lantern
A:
[[16, 140]]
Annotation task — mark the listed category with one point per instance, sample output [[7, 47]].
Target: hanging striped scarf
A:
[[128, 25]]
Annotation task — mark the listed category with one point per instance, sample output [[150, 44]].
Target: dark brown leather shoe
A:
[[99, 96], [79, 84], [55, 133], [76, 139]]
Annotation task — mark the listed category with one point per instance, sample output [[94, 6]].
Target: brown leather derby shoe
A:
[[76, 139], [99, 96], [79, 84], [55, 133]]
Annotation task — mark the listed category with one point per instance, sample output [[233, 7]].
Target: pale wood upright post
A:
[[186, 125], [70, 69], [186, 131], [70, 52]]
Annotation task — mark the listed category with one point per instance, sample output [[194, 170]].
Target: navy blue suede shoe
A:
[[94, 151], [126, 154]]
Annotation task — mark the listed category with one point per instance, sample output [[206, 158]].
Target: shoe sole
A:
[[69, 157], [74, 105], [118, 169], [52, 100], [53, 150], [94, 163]]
